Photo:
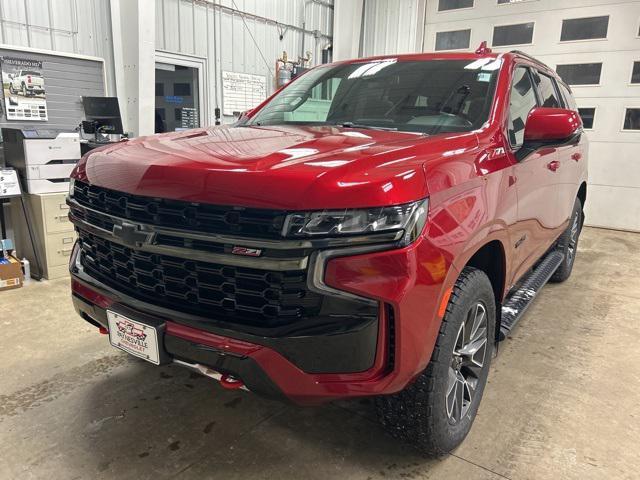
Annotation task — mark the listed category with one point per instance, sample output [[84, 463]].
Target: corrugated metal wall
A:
[[392, 26], [241, 36], [73, 26]]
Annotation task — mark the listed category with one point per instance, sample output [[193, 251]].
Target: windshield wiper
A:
[[362, 125]]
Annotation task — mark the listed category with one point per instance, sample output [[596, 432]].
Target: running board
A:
[[518, 302]]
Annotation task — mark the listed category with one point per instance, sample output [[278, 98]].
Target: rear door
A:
[[536, 181], [572, 160]]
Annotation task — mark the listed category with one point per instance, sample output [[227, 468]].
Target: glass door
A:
[[179, 101]]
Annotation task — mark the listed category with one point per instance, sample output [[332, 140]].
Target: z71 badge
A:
[[247, 252]]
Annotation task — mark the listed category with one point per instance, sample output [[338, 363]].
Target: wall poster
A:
[[24, 92]]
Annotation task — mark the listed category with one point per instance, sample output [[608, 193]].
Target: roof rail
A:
[[526, 55]]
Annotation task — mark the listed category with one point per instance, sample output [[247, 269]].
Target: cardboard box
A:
[[10, 273]]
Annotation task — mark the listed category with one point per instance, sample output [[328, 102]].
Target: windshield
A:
[[418, 96], [32, 73]]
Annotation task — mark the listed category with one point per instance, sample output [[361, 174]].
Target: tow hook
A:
[[230, 383]]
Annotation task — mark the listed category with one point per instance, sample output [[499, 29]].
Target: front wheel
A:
[[435, 413]]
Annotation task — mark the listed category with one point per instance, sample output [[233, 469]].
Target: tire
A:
[[568, 244], [424, 414]]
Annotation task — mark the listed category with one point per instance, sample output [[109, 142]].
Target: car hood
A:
[[283, 167]]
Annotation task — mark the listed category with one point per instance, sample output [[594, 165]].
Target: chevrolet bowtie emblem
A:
[[131, 234]]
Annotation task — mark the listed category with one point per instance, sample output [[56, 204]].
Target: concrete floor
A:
[[562, 400]]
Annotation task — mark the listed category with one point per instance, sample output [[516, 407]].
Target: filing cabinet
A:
[[53, 232]]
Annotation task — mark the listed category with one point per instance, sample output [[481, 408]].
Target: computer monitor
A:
[[102, 114]]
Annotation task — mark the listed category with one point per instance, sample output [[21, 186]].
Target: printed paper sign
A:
[[24, 90], [242, 91]]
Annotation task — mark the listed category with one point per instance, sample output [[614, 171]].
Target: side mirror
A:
[[551, 125]]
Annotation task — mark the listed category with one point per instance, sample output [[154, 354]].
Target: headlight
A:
[[409, 217], [72, 184]]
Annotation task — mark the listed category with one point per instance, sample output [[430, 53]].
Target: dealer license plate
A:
[[133, 337]]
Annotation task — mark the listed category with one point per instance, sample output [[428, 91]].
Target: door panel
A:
[[536, 176]]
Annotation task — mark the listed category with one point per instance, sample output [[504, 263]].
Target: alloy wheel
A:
[[573, 238], [467, 362]]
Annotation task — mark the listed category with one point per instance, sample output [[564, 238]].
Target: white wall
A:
[[393, 26]]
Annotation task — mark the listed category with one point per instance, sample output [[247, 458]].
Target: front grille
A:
[[219, 292], [226, 220]]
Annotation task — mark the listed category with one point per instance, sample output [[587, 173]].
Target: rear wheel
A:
[[435, 413], [568, 244]]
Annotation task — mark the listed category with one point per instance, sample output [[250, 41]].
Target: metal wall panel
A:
[[74, 26], [230, 36], [392, 26]]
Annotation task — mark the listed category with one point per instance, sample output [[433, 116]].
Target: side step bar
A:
[[518, 302]]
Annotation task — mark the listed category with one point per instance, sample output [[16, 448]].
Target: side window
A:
[[521, 101], [548, 94], [569, 101]]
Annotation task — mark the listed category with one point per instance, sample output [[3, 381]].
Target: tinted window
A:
[[453, 40], [159, 89], [182, 89], [548, 94], [454, 4], [569, 102], [632, 119], [587, 115], [519, 34], [421, 96], [580, 73], [521, 101], [635, 74], [584, 28]]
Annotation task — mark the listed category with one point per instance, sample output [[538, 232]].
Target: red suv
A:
[[372, 229]]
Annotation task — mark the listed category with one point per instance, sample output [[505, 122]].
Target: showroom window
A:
[[580, 73], [631, 119], [635, 73], [159, 89], [444, 5], [521, 101], [547, 91], [454, 40], [520, 34], [588, 115], [591, 28]]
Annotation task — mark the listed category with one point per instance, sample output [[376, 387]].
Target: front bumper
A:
[[396, 348]]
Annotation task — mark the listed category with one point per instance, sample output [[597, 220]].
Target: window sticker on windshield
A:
[[484, 77]]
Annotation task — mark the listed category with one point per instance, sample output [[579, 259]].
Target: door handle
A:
[[576, 156], [554, 165]]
